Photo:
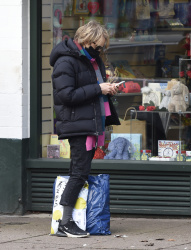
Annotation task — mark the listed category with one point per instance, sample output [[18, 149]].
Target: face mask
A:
[[94, 53]]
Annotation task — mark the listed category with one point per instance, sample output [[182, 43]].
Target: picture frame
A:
[[86, 19], [81, 7], [53, 151]]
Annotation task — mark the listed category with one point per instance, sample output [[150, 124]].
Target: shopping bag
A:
[[79, 211], [98, 211], [132, 126]]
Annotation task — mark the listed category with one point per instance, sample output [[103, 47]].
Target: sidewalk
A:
[[31, 231]]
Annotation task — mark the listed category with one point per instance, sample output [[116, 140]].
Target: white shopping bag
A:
[[79, 212]]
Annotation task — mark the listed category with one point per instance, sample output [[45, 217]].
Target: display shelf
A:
[[128, 94], [176, 127], [167, 112], [141, 43], [127, 43], [124, 41], [181, 29], [173, 29]]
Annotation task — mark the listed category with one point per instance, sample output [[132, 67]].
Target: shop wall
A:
[[14, 66], [14, 102]]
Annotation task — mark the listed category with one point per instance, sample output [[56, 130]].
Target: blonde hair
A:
[[91, 32]]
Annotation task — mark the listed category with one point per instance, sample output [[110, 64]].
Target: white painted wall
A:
[[14, 69]]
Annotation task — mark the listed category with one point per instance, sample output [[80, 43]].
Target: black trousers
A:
[[80, 167]]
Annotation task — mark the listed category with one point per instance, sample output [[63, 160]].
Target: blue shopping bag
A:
[[98, 211]]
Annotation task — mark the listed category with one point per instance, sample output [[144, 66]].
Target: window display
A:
[[150, 51], [168, 135]]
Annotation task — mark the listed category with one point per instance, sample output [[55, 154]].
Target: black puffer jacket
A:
[[76, 92]]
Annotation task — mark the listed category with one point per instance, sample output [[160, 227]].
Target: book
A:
[[135, 143], [168, 148]]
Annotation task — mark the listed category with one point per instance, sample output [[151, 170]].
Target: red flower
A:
[[141, 108], [151, 108], [188, 73], [181, 74]]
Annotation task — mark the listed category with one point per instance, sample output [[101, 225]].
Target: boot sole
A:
[[59, 234], [76, 236]]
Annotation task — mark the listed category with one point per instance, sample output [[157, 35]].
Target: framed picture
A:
[[53, 151], [84, 20], [81, 7]]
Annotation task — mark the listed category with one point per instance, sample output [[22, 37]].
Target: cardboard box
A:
[[168, 148], [64, 146], [135, 142], [188, 155]]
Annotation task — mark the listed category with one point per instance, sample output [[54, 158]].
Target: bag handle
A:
[[130, 108]]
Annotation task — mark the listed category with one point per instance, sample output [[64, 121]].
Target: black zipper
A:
[[96, 133]]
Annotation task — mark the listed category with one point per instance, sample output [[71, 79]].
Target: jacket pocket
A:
[[84, 112]]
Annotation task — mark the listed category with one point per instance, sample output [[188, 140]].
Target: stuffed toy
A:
[[179, 98], [171, 83], [166, 98], [150, 95], [120, 148]]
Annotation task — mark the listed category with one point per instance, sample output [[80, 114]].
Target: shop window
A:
[[149, 49]]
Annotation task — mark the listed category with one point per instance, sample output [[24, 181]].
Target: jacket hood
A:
[[64, 48]]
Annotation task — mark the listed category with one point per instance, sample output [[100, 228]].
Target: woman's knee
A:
[[79, 177]]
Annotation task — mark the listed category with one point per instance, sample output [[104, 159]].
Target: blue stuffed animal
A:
[[120, 148]]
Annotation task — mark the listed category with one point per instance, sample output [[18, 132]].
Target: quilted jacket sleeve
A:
[[65, 79]]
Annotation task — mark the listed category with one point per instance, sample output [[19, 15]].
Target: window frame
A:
[[35, 78]]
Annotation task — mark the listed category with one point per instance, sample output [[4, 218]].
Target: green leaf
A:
[[157, 108], [163, 109], [151, 103], [146, 105]]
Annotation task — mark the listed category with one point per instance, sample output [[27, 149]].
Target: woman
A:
[[83, 109]]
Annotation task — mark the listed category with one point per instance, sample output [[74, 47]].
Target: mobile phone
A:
[[119, 83]]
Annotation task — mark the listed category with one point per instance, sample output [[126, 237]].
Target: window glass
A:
[[149, 50]]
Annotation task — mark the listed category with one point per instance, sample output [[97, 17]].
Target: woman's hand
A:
[[108, 88]]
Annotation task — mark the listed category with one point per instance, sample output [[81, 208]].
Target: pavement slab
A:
[[31, 231]]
